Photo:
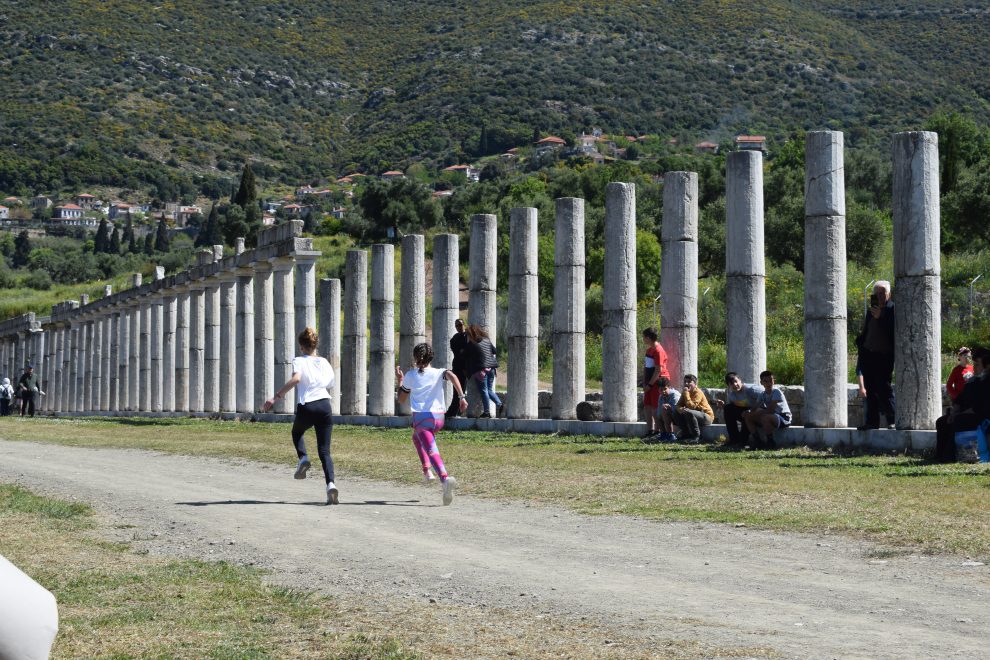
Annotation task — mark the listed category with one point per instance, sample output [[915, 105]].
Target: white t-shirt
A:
[[315, 376], [425, 389]]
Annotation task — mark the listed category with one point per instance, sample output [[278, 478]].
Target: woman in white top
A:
[[423, 387], [311, 376]]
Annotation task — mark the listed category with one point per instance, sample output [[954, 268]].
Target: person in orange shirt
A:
[[654, 367]]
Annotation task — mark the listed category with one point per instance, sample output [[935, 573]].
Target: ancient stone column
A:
[[75, 377], [245, 340], [483, 263], [825, 323], [228, 342], [381, 373], [182, 350], [568, 309], [620, 343], [54, 387], [745, 271], [330, 333], [264, 334], [170, 313], [917, 290], [197, 339], [412, 302], [157, 344], [679, 274], [85, 364], [446, 297], [285, 328], [130, 329], [113, 366], [107, 376], [144, 391], [354, 356], [96, 386], [523, 322], [211, 346], [305, 293]]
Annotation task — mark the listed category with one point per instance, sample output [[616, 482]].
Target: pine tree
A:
[[102, 241], [114, 247], [209, 234], [149, 244], [247, 193], [22, 250], [162, 241], [483, 141]]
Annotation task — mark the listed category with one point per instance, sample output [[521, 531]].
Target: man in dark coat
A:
[[876, 356], [458, 346]]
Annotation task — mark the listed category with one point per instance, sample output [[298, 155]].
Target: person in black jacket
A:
[[482, 365], [459, 347], [876, 356]]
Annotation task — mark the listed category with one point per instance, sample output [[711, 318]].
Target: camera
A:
[[874, 301]]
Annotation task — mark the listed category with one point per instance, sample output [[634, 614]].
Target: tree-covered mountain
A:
[[174, 96]]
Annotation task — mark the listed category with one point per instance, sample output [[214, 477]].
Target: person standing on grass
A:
[[771, 412], [6, 397], [29, 386], [423, 387], [482, 365], [459, 348], [693, 413], [876, 357], [311, 376], [654, 367]]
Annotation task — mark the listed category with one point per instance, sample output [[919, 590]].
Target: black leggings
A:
[[315, 414]]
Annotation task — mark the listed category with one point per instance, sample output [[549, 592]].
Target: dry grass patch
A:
[[900, 501]]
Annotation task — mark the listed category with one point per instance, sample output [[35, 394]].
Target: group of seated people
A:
[[969, 390], [749, 411]]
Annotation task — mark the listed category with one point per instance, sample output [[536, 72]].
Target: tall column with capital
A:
[[169, 314], [113, 365], [264, 333], [245, 340], [197, 337], [211, 345], [144, 372], [228, 342], [285, 326], [157, 346]]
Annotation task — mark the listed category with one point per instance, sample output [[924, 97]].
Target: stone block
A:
[[590, 411]]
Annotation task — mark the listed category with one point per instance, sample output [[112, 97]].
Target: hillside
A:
[[176, 95]]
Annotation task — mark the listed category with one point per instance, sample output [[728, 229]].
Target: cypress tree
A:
[[162, 241], [210, 234], [149, 244], [114, 247], [246, 193], [22, 249], [102, 241], [129, 235]]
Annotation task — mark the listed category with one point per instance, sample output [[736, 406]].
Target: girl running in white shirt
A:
[[423, 387], [311, 376]]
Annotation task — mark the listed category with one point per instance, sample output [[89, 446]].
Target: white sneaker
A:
[[449, 484], [332, 494], [301, 468], [429, 477]]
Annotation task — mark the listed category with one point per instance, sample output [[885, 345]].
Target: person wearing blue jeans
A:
[[483, 366]]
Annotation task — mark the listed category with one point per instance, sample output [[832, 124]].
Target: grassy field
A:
[[116, 603], [902, 502]]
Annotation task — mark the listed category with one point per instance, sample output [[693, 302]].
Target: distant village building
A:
[[302, 191], [12, 201], [391, 175], [345, 180], [338, 212], [68, 212], [548, 144], [439, 194], [272, 206], [268, 219], [470, 173], [41, 202], [293, 210], [185, 213], [119, 209], [4, 213], [751, 143], [85, 201], [706, 147]]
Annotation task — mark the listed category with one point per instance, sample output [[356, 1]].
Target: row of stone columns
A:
[[206, 340]]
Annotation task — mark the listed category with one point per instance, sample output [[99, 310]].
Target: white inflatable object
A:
[[28, 616]]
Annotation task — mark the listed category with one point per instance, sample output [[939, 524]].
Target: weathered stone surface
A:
[[916, 209], [169, 314], [412, 312], [381, 376], [285, 327], [483, 264], [523, 320], [825, 373], [197, 348], [354, 355], [182, 314], [590, 411], [330, 333], [228, 344], [679, 274], [211, 348], [305, 293], [824, 174], [619, 335], [446, 305], [745, 329], [825, 267], [568, 308], [157, 354]]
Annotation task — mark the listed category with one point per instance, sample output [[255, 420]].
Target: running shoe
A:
[[429, 477], [332, 494], [448, 490], [302, 468]]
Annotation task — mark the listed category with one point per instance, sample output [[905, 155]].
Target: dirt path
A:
[[801, 596]]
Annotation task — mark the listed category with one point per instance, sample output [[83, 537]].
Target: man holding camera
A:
[[876, 356]]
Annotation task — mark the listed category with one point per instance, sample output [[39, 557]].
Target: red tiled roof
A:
[[751, 138], [85, 196], [705, 145], [71, 207], [392, 173], [456, 168], [292, 206], [551, 139]]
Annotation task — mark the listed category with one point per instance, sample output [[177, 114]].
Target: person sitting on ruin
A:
[[654, 368], [692, 413], [960, 374], [771, 412], [740, 398], [666, 408], [968, 411]]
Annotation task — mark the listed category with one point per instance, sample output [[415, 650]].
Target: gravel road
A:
[[721, 586]]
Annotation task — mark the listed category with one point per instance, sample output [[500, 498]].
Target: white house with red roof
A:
[[549, 143], [84, 200], [751, 143], [293, 210], [118, 209], [67, 212], [470, 173], [706, 147], [184, 213], [391, 175]]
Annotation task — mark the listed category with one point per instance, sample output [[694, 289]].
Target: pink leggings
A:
[[425, 427]]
